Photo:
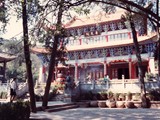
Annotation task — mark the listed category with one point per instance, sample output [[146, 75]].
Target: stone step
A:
[[60, 105], [57, 108]]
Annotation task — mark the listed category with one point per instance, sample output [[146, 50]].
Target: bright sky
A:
[[13, 28]]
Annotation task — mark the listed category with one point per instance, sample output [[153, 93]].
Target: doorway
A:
[[123, 71]]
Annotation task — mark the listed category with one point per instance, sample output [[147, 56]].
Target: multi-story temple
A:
[[102, 44]]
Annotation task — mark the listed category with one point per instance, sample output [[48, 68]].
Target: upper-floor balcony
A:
[[104, 40]]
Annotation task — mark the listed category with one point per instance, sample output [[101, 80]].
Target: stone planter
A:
[[120, 104], [93, 103], [101, 104], [111, 104], [137, 104], [129, 104]]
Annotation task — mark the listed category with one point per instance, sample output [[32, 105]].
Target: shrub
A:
[[137, 96], [154, 95], [15, 111], [122, 97], [110, 95], [116, 96]]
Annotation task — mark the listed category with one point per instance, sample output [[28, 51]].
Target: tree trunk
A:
[[51, 69], [27, 58], [139, 62], [57, 35], [158, 38], [158, 50]]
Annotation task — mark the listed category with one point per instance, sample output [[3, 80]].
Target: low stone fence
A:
[[118, 86]]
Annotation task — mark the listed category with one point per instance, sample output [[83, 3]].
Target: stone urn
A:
[[93, 103], [120, 104], [137, 104], [129, 104], [111, 103], [101, 104]]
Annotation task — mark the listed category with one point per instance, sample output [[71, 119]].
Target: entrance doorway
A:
[[123, 71]]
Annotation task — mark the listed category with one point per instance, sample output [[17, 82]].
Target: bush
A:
[[154, 95], [15, 111]]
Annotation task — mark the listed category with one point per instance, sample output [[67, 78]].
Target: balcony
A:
[[102, 41]]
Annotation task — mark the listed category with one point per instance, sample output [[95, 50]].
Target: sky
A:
[[13, 28]]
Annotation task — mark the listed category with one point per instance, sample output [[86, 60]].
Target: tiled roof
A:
[[6, 57], [101, 17], [40, 50]]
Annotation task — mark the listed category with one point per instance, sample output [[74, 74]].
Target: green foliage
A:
[[82, 10], [154, 94], [15, 68], [122, 96], [59, 86], [137, 96], [149, 76], [110, 94], [116, 96], [3, 16], [17, 111]]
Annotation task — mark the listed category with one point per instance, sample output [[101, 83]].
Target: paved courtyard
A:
[[99, 114]]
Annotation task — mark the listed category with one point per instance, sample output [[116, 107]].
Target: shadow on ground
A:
[[102, 114]]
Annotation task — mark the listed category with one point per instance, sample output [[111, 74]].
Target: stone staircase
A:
[[56, 108]]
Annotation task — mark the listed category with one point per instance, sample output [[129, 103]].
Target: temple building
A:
[[102, 44]]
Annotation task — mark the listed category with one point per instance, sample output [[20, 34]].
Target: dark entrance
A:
[[123, 71]]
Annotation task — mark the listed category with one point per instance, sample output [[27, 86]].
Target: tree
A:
[[130, 18], [54, 33], [27, 57], [3, 16], [14, 47]]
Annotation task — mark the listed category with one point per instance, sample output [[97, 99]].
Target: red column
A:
[[129, 35], [137, 34], [106, 38], [133, 70], [148, 67], [130, 68], [105, 68], [80, 41], [76, 72], [109, 70]]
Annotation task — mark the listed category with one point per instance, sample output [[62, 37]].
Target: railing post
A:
[[123, 81]]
